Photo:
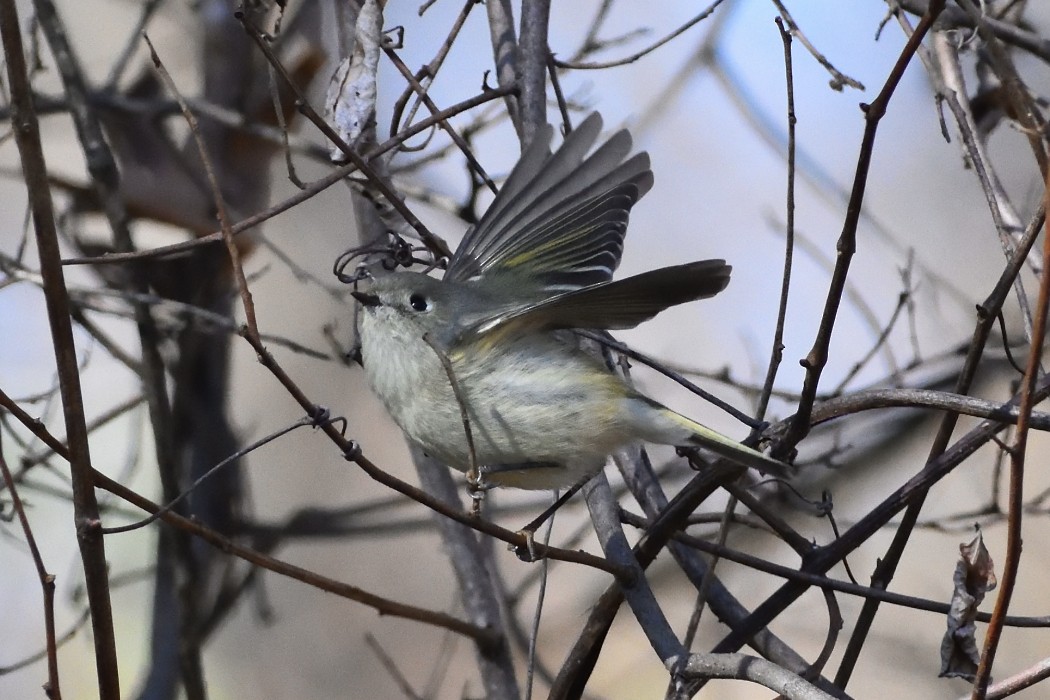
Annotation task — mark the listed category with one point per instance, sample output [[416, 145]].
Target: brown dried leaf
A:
[[974, 576]]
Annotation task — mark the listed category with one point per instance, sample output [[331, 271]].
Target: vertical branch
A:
[[478, 594], [532, 66], [505, 54], [105, 179], [474, 579], [85, 506]]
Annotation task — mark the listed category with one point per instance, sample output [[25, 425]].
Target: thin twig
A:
[[473, 475], [320, 185], [957, 404], [28, 461], [817, 357], [598, 65], [388, 663], [247, 449], [216, 192], [31, 659], [52, 688], [880, 341], [777, 352], [149, 7], [949, 81], [421, 91], [428, 72], [607, 341], [838, 78], [705, 585], [436, 244], [541, 596]]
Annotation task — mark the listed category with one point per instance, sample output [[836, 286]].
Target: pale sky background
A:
[[719, 192]]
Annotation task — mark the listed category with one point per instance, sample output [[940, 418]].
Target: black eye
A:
[[419, 302]]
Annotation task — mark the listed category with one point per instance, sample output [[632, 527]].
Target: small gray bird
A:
[[542, 414]]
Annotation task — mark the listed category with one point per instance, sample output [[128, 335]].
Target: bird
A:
[[481, 368]]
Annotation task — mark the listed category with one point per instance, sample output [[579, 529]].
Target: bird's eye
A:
[[419, 302]]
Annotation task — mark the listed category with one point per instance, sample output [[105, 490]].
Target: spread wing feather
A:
[[612, 305], [559, 219]]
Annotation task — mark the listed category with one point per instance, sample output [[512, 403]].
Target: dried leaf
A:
[[974, 577]]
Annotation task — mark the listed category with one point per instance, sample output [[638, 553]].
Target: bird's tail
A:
[[670, 428]]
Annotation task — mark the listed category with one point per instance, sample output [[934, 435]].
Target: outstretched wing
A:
[[559, 219], [612, 305]]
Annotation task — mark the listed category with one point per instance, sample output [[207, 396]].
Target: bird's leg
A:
[[477, 487]]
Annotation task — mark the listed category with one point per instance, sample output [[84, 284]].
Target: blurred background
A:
[[710, 108]]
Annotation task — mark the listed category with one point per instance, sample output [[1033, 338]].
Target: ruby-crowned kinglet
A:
[[542, 413]]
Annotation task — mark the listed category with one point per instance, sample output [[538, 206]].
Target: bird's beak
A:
[[366, 298]]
